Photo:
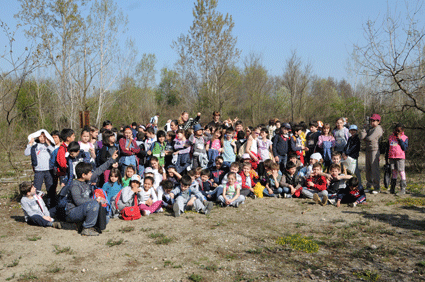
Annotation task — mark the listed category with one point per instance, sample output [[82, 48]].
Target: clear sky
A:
[[321, 31]]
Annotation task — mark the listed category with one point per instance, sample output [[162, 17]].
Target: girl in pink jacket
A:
[[398, 143]]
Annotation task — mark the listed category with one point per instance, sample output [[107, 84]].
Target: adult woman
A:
[[371, 134], [185, 122]]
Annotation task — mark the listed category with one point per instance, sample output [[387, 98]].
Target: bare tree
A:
[[296, 79], [394, 58]]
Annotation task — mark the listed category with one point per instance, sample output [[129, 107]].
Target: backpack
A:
[[62, 202], [327, 150], [99, 193], [129, 213], [52, 162]]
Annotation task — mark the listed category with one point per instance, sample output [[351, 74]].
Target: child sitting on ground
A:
[[248, 183], [352, 194], [292, 157], [218, 171], [148, 202], [272, 185], [187, 197], [204, 182], [130, 170], [231, 193], [291, 182], [114, 184], [129, 196], [35, 211], [316, 186], [173, 175], [166, 186], [336, 180]]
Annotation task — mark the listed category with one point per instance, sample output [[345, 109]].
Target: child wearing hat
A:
[[198, 141]]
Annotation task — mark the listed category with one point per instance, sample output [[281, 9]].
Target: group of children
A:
[[144, 170]]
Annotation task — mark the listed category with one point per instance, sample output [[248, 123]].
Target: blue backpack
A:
[[327, 150]]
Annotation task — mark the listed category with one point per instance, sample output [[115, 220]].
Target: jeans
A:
[[215, 193], [275, 192], [308, 193], [239, 199], [40, 176], [282, 163], [86, 212], [38, 220]]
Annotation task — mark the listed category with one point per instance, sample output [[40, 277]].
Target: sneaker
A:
[[176, 210], [332, 201], [209, 207], [324, 200], [57, 225], [147, 212], [375, 192], [160, 210], [236, 205], [254, 196], [89, 232], [279, 196], [144, 213], [316, 198]]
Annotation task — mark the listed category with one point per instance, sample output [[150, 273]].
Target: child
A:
[[141, 156], [85, 143], [204, 182], [349, 164], [166, 186], [108, 149], [150, 137], [182, 151], [296, 143], [68, 136], [336, 180], [199, 152], [311, 140], [173, 175], [128, 149], [264, 149], [398, 143], [272, 185], [130, 195], [94, 133], [306, 171], [169, 148], [40, 150], [56, 138], [371, 135], [128, 173], [326, 142], [81, 207], [341, 135], [218, 171], [214, 148], [75, 156], [352, 194], [229, 147], [158, 172], [158, 149], [114, 184], [149, 203], [316, 186], [187, 197], [336, 159], [247, 182], [280, 146], [35, 211], [292, 157], [291, 182], [352, 150], [231, 193]]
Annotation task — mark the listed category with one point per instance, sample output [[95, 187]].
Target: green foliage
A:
[[298, 242], [196, 277], [65, 250], [367, 275], [34, 238], [126, 229]]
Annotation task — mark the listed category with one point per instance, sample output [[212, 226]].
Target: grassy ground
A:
[[263, 240]]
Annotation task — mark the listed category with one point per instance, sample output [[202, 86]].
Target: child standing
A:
[[85, 143], [129, 149], [214, 148], [229, 147], [159, 149], [352, 150], [311, 140], [68, 136], [182, 151], [149, 203], [231, 193], [40, 150], [398, 143], [326, 142], [341, 135], [280, 146], [108, 149], [296, 143], [199, 152], [35, 211], [264, 149]]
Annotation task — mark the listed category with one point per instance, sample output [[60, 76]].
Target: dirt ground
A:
[[380, 241]]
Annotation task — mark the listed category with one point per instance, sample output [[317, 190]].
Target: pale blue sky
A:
[[322, 32]]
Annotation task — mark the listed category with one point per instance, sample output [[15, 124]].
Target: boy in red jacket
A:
[[316, 186], [67, 135]]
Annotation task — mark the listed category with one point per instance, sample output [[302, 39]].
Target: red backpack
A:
[[129, 213]]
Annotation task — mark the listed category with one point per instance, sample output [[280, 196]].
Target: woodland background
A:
[[73, 63]]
